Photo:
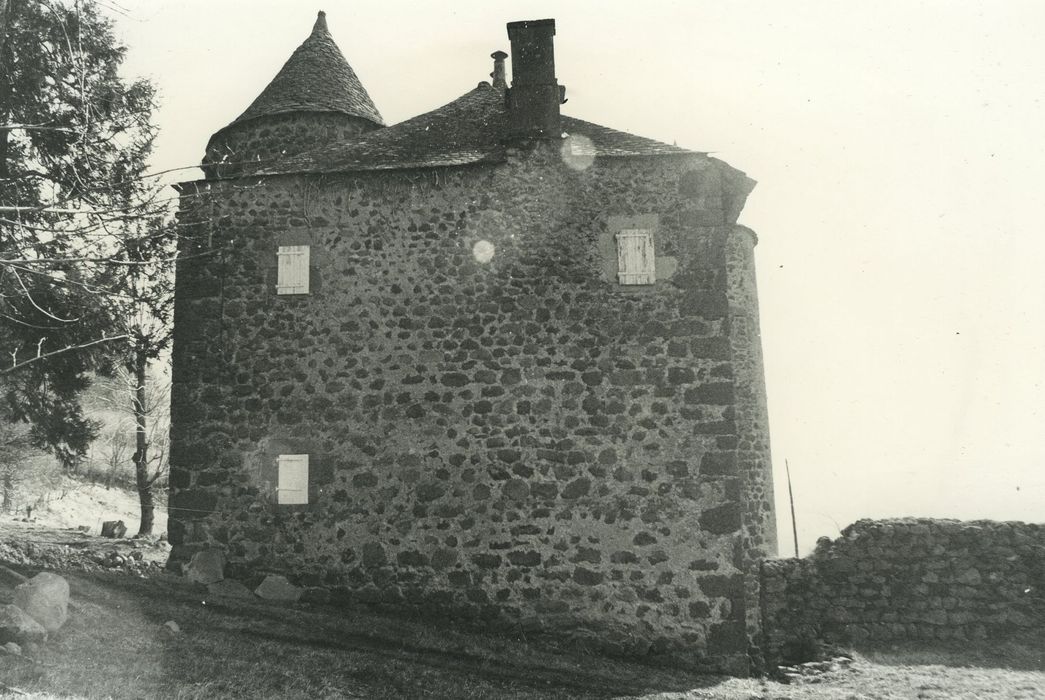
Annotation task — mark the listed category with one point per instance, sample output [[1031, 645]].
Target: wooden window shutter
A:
[[636, 262], [292, 488], [292, 273]]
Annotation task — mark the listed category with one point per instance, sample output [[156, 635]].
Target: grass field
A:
[[115, 645]]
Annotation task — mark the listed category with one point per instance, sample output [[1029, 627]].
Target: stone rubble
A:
[[813, 671]]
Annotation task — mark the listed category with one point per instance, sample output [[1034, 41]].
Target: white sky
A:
[[900, 152]]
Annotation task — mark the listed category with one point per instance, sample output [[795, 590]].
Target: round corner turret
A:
[[245, 147], [315, 100]]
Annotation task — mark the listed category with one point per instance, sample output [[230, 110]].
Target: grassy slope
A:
[[115, 645]]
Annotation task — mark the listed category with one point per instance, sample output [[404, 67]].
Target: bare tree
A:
[[21, 465], [15, 451], [110, 451], [135, 412]]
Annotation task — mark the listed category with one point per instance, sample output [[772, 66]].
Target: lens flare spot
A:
[[578, 152], [483, 251]]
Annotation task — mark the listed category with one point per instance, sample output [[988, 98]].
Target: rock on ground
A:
[[278, 588], [45, 598], [114, 528], [17, 626], [11, 648], [207, 566]]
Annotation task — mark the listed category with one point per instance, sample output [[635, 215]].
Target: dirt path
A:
[[117, 645]]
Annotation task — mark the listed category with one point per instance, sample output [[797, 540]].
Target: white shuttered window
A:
[[293, 480], [292, 273], [636, 263]]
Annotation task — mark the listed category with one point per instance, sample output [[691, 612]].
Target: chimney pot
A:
[[498, 75]]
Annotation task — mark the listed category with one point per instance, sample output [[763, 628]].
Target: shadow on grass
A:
[[1026, 653], [115, 644]]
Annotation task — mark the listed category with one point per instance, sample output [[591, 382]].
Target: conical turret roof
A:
[[316, 78]]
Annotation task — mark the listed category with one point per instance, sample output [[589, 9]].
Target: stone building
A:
[[493, 361]]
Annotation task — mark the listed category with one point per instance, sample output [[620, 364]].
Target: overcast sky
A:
[[899, 148]]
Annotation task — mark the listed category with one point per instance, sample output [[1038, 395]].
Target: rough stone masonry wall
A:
[[758, 538], [244, 147], [522, 439], [907, 580]]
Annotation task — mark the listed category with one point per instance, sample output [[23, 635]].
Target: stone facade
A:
[[908, 580], [496, 428]]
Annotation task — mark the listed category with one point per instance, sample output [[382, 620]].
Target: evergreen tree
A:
[[76, 215]]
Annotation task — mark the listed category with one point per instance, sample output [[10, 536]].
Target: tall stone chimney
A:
[[535, 96]]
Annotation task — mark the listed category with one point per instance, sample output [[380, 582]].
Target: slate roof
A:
[[316, 78], [471, 129]]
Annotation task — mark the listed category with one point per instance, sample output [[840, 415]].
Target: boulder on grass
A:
[[45, 598], [114, 529], [278, 588], [207, 566], [17, 626], [11, 648]]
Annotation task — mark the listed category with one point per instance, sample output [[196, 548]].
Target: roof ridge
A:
[[663, 147], [468, 130]]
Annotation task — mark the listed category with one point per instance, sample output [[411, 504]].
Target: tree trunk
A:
[[3, 22], [8, 492], [141, 452], [6, 60]]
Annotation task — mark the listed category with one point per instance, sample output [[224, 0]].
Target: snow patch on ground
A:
[[72, 503]]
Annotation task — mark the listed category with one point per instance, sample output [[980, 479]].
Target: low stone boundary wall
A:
[[907, 580]]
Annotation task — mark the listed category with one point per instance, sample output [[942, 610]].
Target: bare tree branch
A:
[[19, 365]]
